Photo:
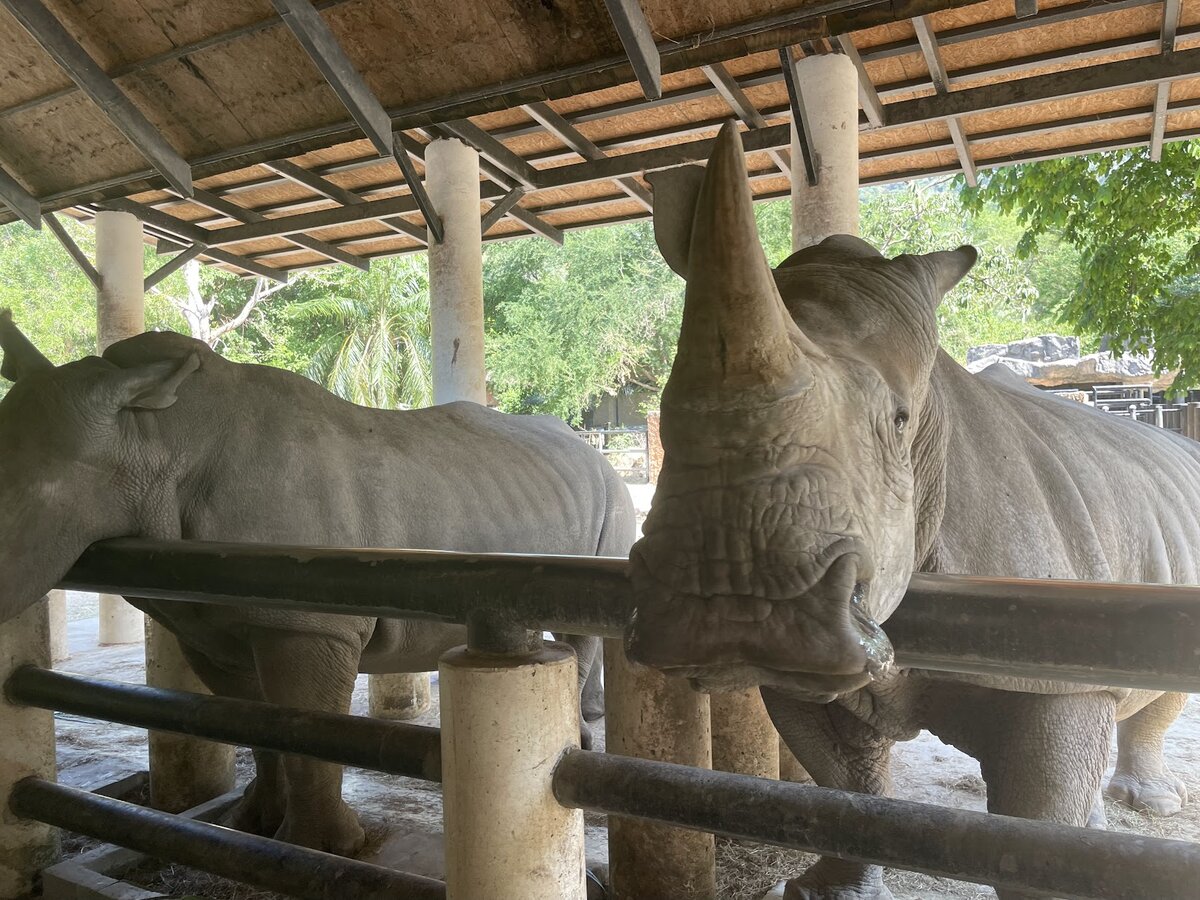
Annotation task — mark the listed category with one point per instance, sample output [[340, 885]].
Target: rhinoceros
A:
[[163, 438], [819, 449]]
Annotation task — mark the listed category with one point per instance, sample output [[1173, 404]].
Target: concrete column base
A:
[[399, 696], [504, 723], [743, 739], [184, 771], [120, 623], [26, 748], [59, 643], [650, 716]]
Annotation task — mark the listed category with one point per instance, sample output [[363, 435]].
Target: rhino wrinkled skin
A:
[[164, 439], [819, 449]]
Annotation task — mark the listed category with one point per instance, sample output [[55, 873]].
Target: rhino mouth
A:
[[816, 646]]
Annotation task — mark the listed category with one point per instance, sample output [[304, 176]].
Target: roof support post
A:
[[829, 85]]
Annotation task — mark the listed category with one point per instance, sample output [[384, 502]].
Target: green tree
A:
[[366, 334], [1135, 225], [567, 325]]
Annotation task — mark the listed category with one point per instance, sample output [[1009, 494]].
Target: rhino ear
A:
[[21, 358], [675, 194], [151, 386], [948, 267]]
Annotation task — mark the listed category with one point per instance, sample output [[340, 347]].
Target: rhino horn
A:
[[737, 334], [21, 358]]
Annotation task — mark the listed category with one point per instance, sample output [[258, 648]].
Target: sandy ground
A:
[[403, 816]]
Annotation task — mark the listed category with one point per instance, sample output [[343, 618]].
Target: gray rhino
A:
[[165, 439], [819, 449]]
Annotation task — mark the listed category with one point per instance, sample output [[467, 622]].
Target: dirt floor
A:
[[403, 816]]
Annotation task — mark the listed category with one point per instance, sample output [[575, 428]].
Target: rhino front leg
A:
[[1142, 779], [588, 662], [839, 751], [1042, 756], [313, 672], [261, 808]]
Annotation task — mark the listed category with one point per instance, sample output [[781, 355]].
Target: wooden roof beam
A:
[[171, 266], [941, 84], [629, 20], [1158, 124], [20, 201], [500, 209], [364, 107], [787, 63], [241, 214], [493, 151], [868, 96], [1025, 9], [72, 248], [571, 136], [91, 79], [1170, 25], [731, 92]]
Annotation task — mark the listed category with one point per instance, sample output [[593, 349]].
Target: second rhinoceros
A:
[[164, 439], [819, 449]]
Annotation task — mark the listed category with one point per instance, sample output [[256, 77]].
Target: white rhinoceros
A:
[[820, 448], [165, 439]]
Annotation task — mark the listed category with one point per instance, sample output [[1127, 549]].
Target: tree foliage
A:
[[566, 325], [1135, 225]]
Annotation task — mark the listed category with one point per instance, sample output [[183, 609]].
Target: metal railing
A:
[[1136, 635], [626, 449]]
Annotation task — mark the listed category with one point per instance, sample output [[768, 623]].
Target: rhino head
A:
[[796, 425], [74, 460]]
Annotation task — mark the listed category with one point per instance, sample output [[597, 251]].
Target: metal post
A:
[[26, 749], [651, 716], [505, 720], [828, 85]]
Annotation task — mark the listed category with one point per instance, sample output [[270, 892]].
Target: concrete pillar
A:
[[120, 313], [456, 273], [184, 771], [26, 748], [505, 720], [59, 643], [456, 313], [651, 716], [743, 738], [829, 87]]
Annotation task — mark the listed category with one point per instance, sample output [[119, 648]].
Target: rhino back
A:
[[1042, 487]]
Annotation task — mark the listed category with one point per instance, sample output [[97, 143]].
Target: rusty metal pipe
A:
[[262, 862], [1019, 854], [1129, 635], [397, 748]]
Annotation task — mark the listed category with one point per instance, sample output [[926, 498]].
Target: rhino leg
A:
[[591, 694], [1043, 756], [839, 751], [1142, 779], [261, 808], [308, 671]]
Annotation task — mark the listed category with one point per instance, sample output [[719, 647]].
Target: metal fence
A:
[[1138, 635], [627, 450]]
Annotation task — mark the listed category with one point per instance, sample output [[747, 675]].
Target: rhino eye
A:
[[901, 419]]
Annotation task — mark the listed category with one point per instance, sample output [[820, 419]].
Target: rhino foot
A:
[[1162, 794], [337, 831], [258, 811], [834, 879], [790, 890]]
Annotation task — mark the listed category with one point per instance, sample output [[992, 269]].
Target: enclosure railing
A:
[[1135, 635], [627, 449]]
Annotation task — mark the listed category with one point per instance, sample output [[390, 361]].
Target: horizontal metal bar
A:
[[397, 748], [1019, 854], [1128, 635], [262, 862]]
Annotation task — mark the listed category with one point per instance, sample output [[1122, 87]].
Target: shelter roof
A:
[[556, 97]]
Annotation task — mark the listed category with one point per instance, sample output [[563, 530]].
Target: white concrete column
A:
[[184, 771], [59, 643], [651, 716], [829, 87], [456, 273], [120, 313], [505, 720], [26, 748], [456, 311], [743, 739]]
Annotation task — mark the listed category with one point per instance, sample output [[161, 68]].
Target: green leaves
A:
[[1136, 227]]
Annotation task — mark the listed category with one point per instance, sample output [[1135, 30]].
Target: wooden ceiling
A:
[[284, 179]]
